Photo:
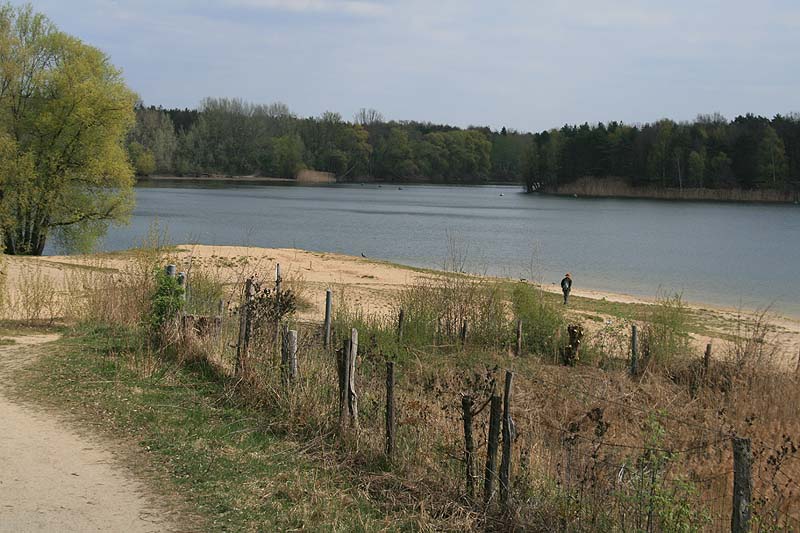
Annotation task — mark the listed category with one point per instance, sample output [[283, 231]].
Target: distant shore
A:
[[212, 179], [618, 188]]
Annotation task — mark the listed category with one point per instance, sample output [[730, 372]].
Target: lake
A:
[[723, 254]]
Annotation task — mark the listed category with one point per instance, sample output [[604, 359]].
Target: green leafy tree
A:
[[285, 157], [771, 159], [697, 167], [155, 132], [144, 162], [720, 170], [64, 113]]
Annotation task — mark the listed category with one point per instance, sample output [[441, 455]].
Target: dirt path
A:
[[54, 479]]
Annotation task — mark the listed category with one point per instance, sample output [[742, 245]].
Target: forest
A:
[[232, 137]]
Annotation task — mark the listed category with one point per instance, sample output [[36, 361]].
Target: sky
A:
[[528, 65]]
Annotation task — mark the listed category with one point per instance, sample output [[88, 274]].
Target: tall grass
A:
[[543, 322], [664, 336]]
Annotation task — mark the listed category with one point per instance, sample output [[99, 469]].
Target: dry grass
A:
[[595, 450]]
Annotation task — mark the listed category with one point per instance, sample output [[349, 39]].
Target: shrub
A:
[[166, 302]]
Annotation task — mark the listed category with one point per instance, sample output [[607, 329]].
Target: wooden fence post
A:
[[326, 343], [519, 337], [183, 283], [495, 414], [351, 374], [289, 357], [634, 369], [171, 270], [742, 486], [400, 320], [343, 366], [469, 444], [508, 437], [464, 326], [706, 359], [245, 329], [390, 421], [278, 278]]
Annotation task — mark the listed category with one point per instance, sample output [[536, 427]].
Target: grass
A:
[[215, 451]]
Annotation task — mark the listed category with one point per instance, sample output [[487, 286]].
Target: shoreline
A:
[[372, 284]]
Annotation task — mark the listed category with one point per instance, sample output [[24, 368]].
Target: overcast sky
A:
[[524, 64]]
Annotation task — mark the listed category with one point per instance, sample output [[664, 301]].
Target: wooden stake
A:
[[245, 330], [742, 486], [706, 359], [400, 320], [508, 437], [343, 367], [289, 357], [519, 337], [326, 343], [495, 414], [390, 420], [634, 369], [351, 379], [469, 444]]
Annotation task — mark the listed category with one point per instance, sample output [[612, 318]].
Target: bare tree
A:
[[365, 117]]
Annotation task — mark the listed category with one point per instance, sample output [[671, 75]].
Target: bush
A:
[[166, 302]]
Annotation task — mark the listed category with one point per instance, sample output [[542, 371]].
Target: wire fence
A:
[[561, 455]]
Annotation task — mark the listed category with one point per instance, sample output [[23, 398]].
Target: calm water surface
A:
[[725, 254]]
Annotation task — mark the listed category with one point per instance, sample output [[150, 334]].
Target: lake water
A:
[[724, 254]]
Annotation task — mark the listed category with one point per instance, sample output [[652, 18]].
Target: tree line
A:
[[234, 137]]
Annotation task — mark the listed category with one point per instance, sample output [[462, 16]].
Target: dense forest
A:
[[233, 137]]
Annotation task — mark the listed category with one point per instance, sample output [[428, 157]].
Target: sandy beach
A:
[[366, 283]]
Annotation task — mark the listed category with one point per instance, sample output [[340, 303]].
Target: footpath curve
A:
[[53, 478]]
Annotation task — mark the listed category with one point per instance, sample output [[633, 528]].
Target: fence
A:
[[509, 456]]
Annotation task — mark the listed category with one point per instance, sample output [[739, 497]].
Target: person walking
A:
[[566, 286]]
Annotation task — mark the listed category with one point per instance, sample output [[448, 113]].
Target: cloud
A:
[[362, 8]]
